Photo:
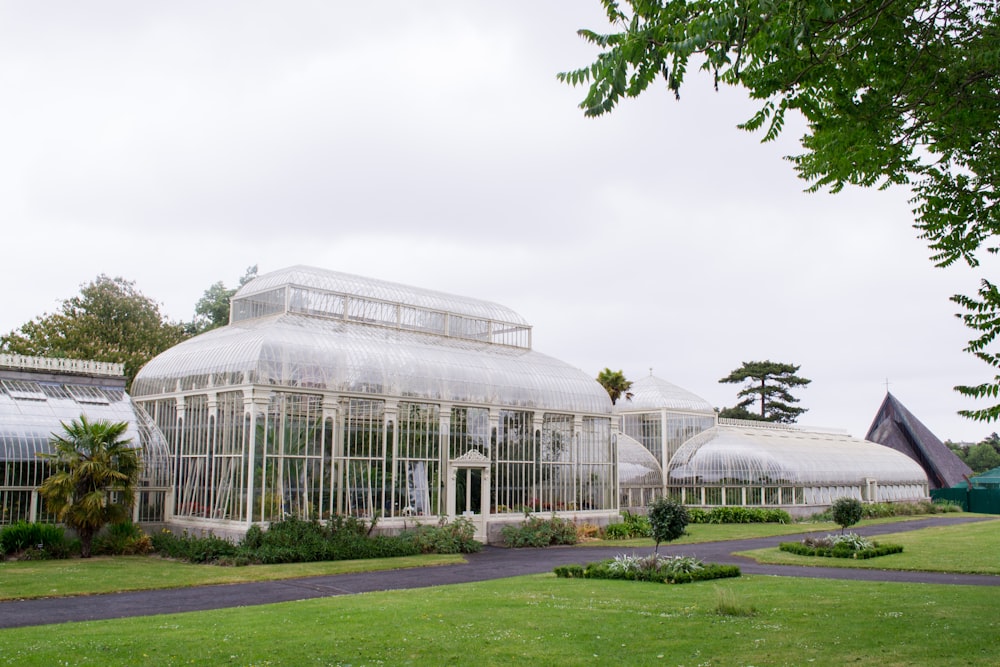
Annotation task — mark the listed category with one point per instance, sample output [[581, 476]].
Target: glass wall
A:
[[646, 428], [362, 464], [382, 461], [417, 487], [514, 457], [664, 430]]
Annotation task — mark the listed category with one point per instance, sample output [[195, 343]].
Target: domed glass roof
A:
[[758, 455], [651, 394], [307, 352], [636, 465]]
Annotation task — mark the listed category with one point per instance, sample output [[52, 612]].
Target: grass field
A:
[[542, 620], [34, 579], [968, 548], [107, 574]]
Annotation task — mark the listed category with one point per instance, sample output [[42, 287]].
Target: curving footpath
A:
[[491, 563]]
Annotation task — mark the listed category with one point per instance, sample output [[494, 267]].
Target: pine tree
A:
[[768, 385]]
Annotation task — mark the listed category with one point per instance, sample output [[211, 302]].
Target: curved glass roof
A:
[[300, 351], [31, 411], [752, 454], [636, 465], [342, 296], [653, 394]]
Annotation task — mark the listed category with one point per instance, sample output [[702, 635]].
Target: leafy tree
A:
[[739, 412], [95, 471], [615, 384], [846, 512], [110, 320], [982, 457], [212, 309], [768, 383], [668, 519], [982, 315], [901, 92]]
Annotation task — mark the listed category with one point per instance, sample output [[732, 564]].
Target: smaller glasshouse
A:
[[330, 393], [760, 463], [657, 419], [37, 395], [673, 444]]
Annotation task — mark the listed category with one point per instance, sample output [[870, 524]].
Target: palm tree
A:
[[615, 384], [95, 471]]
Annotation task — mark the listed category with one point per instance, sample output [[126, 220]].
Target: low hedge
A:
[[841, 551], [535, 531], [298, 541], [734, 514], [603, 570], [36, 541], [631, 526]]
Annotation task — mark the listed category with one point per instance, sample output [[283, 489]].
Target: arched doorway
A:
[[469, 490]]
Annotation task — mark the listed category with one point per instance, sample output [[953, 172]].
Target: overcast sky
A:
[[177, 143]]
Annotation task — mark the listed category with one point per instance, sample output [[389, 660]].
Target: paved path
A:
[[491, 563]]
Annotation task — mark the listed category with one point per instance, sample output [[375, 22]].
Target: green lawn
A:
[[106, 574], [970, 548], [32, 579], [713, 532], [542, 620]]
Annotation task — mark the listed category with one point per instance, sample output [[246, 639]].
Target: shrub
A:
[[35, 541], [632, 525], [668, 519], [882, 510], [638, 525], [587, 531], [206, 549], [456, 537], [537, 532], [738, 514], [846, 512], [697, 515], [616, 531], [123, 539], [944, 506], [569, 571], [297, 541], [341, 538]]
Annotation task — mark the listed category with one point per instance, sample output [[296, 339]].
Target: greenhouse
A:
[[330, 393], [758, 463], [37, 395], [657, 419]]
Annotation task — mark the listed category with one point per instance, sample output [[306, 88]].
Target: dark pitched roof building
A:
[[894, 426]]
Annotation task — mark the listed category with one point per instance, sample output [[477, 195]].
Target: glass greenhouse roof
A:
[[636, 465], [329, 294], [307, 352], [30, 412], [651, 394], [753, 454]]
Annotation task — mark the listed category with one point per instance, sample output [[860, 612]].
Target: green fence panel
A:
[[981, 501], [960, 496]]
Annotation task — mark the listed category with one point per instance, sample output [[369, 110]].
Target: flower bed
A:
[[656, 568], [848, 545]]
